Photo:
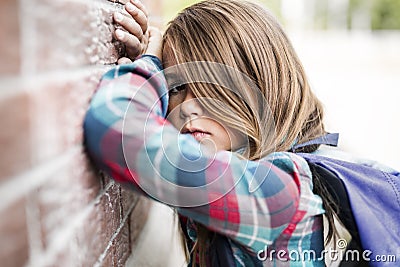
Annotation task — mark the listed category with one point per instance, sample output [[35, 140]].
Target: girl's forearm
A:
[[128, 137]]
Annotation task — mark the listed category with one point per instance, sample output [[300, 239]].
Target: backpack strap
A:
[[336, 189], [330, 139], [339, 195]]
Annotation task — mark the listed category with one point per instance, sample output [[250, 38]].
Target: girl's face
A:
[[188, 115]]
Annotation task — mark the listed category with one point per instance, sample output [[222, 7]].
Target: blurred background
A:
[[351, 52]]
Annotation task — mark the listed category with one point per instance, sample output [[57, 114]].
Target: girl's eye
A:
[[176, 89]]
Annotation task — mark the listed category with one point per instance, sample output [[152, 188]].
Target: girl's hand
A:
[[155, 41], [154, 46], [136, 34]]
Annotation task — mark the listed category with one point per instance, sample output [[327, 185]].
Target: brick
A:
[[128, 198], [60, 211], [123, 2], [106, 179], [14, 248], [90, 239], [66, 193], [82, 247], [110, 213], [79, 34], [15, 132], [87, 244], [109, 260], [122, 246], [95, 235], [10, 37], [43, 118], [59, 105]]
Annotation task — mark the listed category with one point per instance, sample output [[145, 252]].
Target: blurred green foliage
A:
[[354, 5], [321, 16], [385, 15], [172, 7]]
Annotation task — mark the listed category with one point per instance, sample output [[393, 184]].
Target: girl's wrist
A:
[[154, 46], [156, 60]]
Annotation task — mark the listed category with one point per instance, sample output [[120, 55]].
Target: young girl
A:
[[210, 135]]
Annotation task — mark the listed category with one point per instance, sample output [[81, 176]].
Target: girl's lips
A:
[[197, 133], [200, 135]]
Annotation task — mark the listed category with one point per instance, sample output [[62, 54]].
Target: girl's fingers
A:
[[124, 60], [139, 14], [133, 32], [129, 25], [140, 5], [132, 43]]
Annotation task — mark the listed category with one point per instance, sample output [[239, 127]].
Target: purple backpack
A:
[[369, 207], [369, 202]]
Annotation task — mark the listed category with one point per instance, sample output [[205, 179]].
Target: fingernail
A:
[[118, 16], [130, 7], [120, 34]]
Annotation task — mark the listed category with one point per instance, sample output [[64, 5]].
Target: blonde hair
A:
[[246, 37]]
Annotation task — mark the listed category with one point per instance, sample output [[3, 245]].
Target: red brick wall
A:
[[55, 209]]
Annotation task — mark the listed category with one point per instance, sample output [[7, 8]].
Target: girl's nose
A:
[[190, 106]]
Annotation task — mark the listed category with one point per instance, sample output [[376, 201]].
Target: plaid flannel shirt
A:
[[127, 135]]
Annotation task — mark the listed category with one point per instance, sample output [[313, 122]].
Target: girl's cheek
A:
[[173, 113], [174, 102], [171, 105]]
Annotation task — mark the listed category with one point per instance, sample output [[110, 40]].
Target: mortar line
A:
[[104, 254], [32, 178], [68, 229]]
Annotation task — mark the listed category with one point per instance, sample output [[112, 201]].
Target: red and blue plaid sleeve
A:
[[127, 135]]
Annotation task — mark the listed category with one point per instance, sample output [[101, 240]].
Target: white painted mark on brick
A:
[[101, 258]]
